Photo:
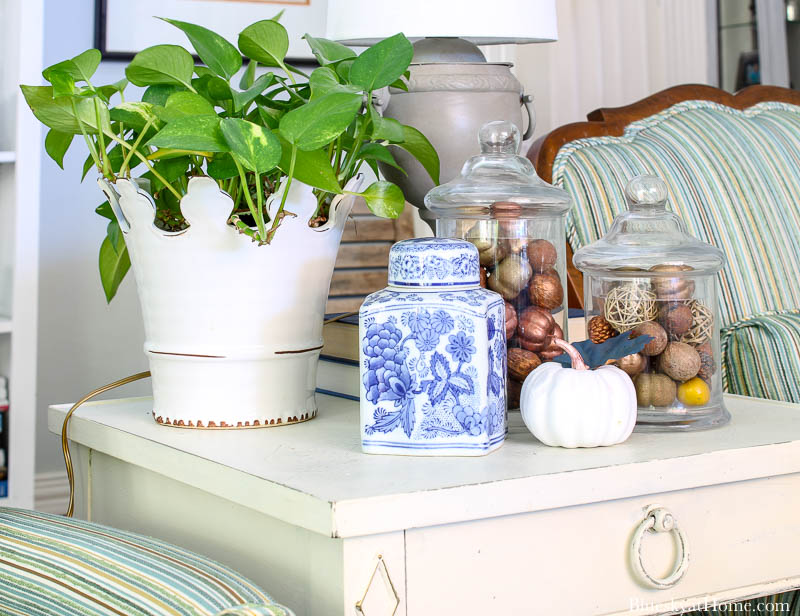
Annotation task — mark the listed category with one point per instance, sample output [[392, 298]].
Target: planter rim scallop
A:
[[211, 367]]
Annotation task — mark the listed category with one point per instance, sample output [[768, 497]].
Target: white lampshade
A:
[[482, 22]]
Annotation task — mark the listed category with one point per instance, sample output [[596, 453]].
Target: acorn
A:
[[542, 255], [510, 276], [600, 330], [632, 364], [511, 321], [653, 389], [676, 319], [521, 363], [545, 290], [679, 361], [673, 288], [655, 331]]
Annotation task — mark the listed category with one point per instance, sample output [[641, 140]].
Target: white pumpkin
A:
[[578, 407]]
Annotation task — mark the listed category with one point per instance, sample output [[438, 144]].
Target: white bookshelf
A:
[[21, 41]]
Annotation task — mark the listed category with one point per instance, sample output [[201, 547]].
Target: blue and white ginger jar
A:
[[433, 355]]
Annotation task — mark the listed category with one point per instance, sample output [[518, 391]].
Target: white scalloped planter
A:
[[233, 330]]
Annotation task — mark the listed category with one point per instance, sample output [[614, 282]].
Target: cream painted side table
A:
[[525, 530]]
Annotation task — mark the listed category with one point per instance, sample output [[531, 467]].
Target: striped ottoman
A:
[[56, 566]]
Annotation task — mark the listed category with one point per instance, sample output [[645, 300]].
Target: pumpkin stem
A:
[[574, 354]]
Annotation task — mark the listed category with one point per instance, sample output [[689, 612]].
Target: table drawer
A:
[[576, 560]]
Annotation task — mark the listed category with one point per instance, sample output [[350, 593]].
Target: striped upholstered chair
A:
[[56, 566], [732, 163]]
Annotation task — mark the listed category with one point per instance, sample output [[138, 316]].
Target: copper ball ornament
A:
[[484, 276], [511, 321], [656, 332], [546, 291], [542, 255], [678, 288], [551, 351], [535, 326], [510, 276], [679, 361], [632, 364]]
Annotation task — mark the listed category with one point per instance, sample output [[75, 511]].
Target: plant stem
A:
[[260, 210], [249, 199], [277, 220], [89, 143], [135, 147], [351, 159], [150, 167], [104, 156]]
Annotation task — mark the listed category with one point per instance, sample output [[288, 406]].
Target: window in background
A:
[[738, 44]]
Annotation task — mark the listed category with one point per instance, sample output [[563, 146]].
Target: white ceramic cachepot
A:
[[233, 330]]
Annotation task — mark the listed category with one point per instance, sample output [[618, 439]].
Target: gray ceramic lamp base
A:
[[448, 103]]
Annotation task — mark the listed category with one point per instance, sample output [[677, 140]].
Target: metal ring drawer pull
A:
[[659, 520]]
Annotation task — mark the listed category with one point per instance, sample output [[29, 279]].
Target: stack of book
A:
[[3, 436], [337, 373]]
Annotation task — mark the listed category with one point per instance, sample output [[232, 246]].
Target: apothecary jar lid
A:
[[650, 238], [433, 262], [497, 174]]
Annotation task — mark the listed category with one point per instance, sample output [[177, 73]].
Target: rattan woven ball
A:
[[702, 324], [629, 305]]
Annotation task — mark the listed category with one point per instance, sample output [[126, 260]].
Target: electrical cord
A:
[[128, 379]]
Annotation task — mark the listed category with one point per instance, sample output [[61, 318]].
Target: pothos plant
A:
[[254, 139]]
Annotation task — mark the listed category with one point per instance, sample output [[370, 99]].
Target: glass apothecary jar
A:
[[516, 221], [649, 276]]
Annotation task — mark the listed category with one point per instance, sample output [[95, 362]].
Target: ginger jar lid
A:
[[648, 237], [433, 262], [497, 174]]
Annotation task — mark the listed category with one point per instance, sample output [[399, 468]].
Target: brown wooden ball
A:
[[542, 255], [659, 335], [679, 361], [676, 319]]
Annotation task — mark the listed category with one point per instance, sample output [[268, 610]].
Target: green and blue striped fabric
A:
[[56, 566], [734, 178]]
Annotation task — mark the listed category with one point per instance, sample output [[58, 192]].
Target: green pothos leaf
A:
[[114, 260]]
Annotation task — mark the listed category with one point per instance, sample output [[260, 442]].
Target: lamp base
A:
[[448, 103]]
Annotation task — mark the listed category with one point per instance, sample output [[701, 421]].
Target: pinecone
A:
[[600, 330]]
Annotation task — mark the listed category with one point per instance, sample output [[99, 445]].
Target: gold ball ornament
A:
[[679, 361], [653, 389], [510, 276], [677, 288], [632, 364], [656, 332], [542, 255], [629, 305], [694, 392], [490, 249], [702, 324]]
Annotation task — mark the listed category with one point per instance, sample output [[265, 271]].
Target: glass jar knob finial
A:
[[499, 137], [644, 190]]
